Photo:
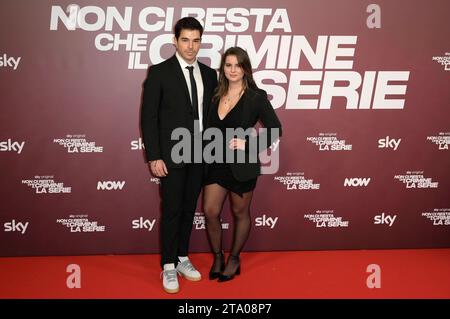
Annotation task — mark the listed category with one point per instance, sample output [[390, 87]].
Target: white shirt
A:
[[198, 83]]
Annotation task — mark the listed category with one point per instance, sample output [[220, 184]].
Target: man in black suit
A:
[[177, 94]]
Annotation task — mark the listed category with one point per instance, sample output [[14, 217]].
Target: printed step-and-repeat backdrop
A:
[[361, 88]]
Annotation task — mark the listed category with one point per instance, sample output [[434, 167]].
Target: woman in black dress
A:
[[237, 104]]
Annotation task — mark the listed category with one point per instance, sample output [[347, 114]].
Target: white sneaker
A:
[[170, 281], [188, 271]]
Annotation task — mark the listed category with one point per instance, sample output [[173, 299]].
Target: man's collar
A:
[[183, 63]]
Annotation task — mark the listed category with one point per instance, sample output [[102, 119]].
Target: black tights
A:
[[213, 198]]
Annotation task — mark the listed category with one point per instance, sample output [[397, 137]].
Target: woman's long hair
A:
[[244, 63]]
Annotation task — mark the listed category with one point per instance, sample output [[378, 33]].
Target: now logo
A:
[[109, 185], [357, 181]]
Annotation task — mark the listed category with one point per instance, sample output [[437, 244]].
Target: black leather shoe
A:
[[223, 277], [216, 274]]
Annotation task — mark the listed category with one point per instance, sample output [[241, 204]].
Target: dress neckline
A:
[[238, 101]]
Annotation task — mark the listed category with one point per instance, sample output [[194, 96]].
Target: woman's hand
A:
[[237, 143]]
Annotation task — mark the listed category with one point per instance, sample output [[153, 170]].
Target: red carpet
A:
[[412, 273]]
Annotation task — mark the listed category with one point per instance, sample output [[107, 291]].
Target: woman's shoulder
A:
[[257, 93]]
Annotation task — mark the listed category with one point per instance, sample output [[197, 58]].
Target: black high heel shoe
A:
[[223, 277], [216, 274]]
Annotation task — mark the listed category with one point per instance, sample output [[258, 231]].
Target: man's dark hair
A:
[[189, 23]]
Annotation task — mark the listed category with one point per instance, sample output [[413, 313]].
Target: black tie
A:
[[193, 92]]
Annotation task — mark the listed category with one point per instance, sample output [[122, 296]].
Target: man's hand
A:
[[158, 168]]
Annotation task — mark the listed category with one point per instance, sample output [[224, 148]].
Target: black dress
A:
[[220, 173]]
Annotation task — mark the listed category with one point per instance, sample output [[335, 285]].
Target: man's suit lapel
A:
[[206, 96], [180, 79]]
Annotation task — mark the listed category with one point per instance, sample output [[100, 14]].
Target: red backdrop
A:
[[362, 92]]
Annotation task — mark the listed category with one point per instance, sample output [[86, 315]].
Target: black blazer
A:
[[166, 105], [256, 108]]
